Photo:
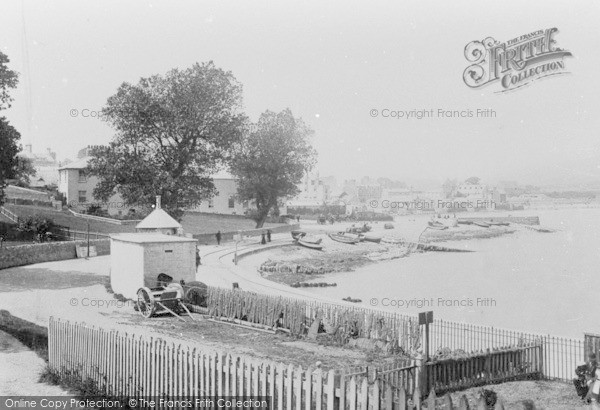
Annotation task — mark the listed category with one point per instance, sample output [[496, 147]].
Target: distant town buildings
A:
[[313, 192], [45, 165]]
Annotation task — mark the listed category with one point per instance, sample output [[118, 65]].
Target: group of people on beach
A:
[[587, 382]]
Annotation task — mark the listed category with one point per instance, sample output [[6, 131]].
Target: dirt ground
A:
[[241, 340], [546, 395]]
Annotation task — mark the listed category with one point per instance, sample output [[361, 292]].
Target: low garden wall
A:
[[46, 252]]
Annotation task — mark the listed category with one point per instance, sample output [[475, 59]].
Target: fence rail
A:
[[9, 214], [493, 366], [560, 355], [74, 235]]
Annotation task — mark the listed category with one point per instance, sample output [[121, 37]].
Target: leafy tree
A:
[[270, 163], [9, 149], [172, 133], [24, 170], [473, 180], [8, 80], [9, 136]]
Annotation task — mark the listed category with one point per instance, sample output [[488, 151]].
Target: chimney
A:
[[158, 205]]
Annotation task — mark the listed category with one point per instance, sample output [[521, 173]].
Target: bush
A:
[[37, 227]]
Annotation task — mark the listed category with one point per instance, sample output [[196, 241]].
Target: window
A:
[[82, 197], [231, 202], [82, 176]]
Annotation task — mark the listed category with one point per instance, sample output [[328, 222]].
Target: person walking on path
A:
[[262, 240], [198, 260], [268, 235], [218, 236]]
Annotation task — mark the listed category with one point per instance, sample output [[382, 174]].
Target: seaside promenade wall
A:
[[46, 252], [209, 238]]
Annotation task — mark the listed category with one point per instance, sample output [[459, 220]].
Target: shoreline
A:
[[298, 266]]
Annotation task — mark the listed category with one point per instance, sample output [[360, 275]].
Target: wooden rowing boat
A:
[[372, 238], [437, 225], [343, 238], [310, 245], [481, 224], [311, 239]]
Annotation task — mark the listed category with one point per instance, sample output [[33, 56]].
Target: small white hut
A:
[[138, 258]]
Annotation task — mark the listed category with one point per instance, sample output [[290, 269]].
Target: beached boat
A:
[[315, 246], [297, 234], [311, 239], [343, 238], [437, 225], [481, 224], [359, 237], [372, 238]]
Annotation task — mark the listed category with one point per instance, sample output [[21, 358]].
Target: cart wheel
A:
[[145, 302]]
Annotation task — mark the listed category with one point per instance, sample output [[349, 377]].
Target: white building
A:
[[313, 192], [78, 188], [45, 165], [468, 188], [225, 202], [138, 258]]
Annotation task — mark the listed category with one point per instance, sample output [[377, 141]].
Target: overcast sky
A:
[[331, 63]]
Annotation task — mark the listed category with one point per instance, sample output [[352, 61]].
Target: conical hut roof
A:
[[158, 219]]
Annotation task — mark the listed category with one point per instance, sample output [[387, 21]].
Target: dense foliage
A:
[[172, 133], [270, 163]]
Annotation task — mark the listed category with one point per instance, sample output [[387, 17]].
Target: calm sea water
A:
[[530, 281]]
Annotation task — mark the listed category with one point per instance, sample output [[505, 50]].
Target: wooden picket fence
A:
[[128, 366], [296, 315], [125, 366]]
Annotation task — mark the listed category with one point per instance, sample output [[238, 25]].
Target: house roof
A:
[[158, 219], [79, 164], [149, 238]]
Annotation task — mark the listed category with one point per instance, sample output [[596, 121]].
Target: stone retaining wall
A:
[[46, 252]]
